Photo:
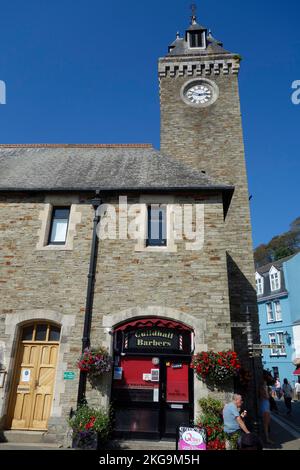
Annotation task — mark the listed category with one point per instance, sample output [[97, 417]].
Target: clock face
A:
[[199, 94]]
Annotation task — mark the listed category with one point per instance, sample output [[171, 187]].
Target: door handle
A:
[[36, 383]]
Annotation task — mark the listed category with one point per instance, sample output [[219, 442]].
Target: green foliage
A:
[[211, 406], [211, 419], [280, 246], [91, 419]]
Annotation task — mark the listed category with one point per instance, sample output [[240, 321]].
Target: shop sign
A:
[[157, 339], [191, 438]]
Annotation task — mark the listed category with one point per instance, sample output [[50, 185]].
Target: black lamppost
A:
[[96, 202]]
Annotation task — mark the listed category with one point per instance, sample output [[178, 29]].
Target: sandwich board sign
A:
[[191, 438]]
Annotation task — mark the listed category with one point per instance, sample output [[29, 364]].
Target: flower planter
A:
[[87, 440]]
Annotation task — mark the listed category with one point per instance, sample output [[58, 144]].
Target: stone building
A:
[[152, 300]]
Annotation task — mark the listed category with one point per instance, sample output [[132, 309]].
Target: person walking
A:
[[297, 389], [288, 395], [273, 404], [265, 411], [234, 420], [278, 388]]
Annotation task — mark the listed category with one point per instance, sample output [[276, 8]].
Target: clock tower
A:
[[201, 127]]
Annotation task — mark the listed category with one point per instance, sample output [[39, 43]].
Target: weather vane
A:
[[194, 11]]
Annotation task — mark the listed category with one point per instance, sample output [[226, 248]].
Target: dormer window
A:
[[259, 284], [196, 39], [274, 279]]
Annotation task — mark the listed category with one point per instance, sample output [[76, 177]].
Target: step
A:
[[142, 445], [19, 437]]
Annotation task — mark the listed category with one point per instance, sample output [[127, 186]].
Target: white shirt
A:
[[297, 387]]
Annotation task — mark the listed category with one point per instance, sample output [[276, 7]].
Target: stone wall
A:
[[36, 283]]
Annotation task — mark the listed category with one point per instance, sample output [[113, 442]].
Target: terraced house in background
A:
[[278, 299], [60, 284]]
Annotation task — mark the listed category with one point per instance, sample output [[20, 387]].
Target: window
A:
[[270, 314], [196, 38], [259, 284], [277, 307], [280, 340], [59, 225], [274, 279], [157, 222], [272, 339], [275, 372], [41, 332], [277, 339]]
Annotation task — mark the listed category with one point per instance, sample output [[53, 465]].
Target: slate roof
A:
[[180, 47], [264, 271], [97, 167], [277, 264]]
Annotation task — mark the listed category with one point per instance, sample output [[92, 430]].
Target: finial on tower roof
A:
[[194, 13], [178, 35]]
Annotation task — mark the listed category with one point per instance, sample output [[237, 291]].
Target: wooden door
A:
[[34, 379]]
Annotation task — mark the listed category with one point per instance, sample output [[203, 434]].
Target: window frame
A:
[[194, 34], [277, 351], [49, 326], [160, 242], [283, 350], [273, 350], [272, 320], [54, 208], [275, 279], [277, 302], [259, 280]]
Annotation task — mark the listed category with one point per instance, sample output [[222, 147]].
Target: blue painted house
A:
[[278, 296]]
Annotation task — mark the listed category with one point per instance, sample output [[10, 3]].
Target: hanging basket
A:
[[216, 367], [95, 362]]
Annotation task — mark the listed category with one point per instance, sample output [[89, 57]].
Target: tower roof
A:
[[209, 45]]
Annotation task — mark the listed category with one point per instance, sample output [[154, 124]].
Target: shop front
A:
[[152, 388]]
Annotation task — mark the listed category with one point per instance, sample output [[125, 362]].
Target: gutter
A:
[[86, 340]]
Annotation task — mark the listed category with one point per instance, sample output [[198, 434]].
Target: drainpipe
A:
[[96, 202]]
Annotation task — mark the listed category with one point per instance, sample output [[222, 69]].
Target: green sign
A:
[[69, 375]]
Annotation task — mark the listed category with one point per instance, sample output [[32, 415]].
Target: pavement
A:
[[285, 429], [285, 432], [27, 446]]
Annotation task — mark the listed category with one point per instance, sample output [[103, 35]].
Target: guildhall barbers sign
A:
[[157, 339]]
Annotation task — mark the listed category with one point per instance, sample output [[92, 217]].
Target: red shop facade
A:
[[152, 387]]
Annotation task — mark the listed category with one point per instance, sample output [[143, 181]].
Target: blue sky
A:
[[86, 72]]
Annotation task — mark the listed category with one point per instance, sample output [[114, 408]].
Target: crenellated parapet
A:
[[191, 67]]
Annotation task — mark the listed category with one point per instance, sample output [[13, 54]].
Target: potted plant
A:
[[95, 362], [216, 367], [211, 419], [91, 428]]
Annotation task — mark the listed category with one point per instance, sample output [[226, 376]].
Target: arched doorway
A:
[[152, 389], [33, 380]]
